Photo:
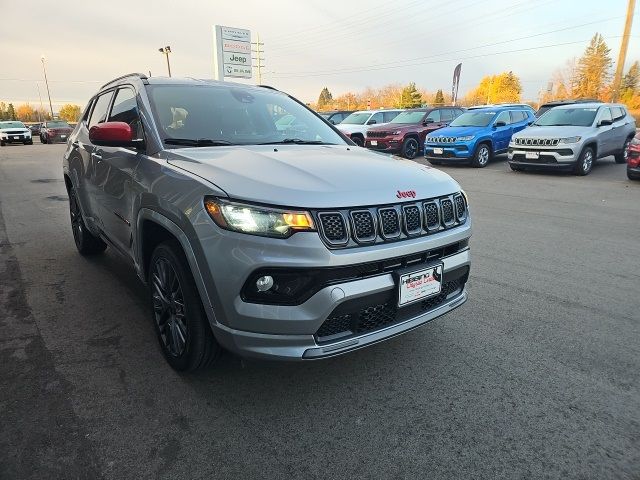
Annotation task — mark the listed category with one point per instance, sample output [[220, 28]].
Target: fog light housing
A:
[[264, 283]]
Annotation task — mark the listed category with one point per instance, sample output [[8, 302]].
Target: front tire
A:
[[410, 148], [585, 162], [86, 242], [482, 156], [358, 140], [621, 157], [181, 323], [42, 139]]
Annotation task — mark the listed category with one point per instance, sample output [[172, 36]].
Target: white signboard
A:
[[232, 52]]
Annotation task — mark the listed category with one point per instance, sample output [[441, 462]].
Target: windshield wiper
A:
[[298, 141], [196, 142]]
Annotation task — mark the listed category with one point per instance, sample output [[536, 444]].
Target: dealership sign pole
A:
[[232, 52]]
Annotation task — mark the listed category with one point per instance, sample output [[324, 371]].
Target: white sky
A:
[[309, 44]]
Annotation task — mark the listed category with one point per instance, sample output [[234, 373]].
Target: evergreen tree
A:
[[593, 69], [11, 113], [325, 98], [439, 100], [411, 97], [3, 111], [631, 80]]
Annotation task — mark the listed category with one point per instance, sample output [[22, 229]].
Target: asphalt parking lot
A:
[[536, 376]]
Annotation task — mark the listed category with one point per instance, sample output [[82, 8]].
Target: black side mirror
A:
[[500, 124], [371, 122], [604, 122], [427, 121]]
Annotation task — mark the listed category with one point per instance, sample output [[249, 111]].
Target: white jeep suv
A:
[[355, 125]]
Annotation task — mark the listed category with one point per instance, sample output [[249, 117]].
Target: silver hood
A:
[[554, 132], [312, 176]]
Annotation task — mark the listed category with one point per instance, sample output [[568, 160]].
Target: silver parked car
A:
[[573, 137], [269, 242]]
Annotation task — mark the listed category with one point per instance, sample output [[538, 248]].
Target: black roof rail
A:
[[141, 76], [268, 86]]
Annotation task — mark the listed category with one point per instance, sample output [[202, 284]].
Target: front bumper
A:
[[365, 292], [561, 157], [388, 144], [290, 331], [451, 152], [15, 137]]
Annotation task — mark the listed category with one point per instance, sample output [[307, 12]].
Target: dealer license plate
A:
[[418, 285], [374, 142], [15, 138], [532, 155], [438, 151], [63, 136]]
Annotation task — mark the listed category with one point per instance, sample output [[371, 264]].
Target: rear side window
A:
[[100, 109], [388, 116]]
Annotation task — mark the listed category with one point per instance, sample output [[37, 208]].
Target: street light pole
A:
[[41, 107], [166, 51], [47, 83]]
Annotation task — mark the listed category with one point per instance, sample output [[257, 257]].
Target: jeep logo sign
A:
[[232, 52], [406, 194]]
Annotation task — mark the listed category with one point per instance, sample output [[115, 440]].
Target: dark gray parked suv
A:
[[287, 244]]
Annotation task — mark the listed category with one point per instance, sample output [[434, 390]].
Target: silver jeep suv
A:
[[285, 244], [573, 137]]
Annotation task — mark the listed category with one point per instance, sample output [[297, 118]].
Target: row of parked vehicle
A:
[[566, 135], [49, 132]]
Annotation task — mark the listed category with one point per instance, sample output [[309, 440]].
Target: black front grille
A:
[[432, 215], [374, 134], [461, 208], [389, 222], [412, 221], [364, 227], [333, 227], [367, 315], [447, 211]]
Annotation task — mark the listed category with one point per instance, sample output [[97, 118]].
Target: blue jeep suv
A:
[[476, 135]]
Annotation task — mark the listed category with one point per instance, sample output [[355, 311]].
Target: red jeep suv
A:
[[406, 132]]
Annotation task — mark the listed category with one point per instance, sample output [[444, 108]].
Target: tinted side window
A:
[[388, 116], [100, 108], [434, 115], [337, 118], [125, 109], [447, 115], [504, 117]]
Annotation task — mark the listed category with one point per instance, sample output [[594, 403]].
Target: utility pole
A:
[[259, 51], [623, 51], [166, 51], [41, 107], [47, 83]]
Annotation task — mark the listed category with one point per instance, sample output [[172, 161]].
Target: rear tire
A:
[[482, 156], [410, 148], [181, 324], [2, 144], [584, 165], [621, 157], [86, 242]]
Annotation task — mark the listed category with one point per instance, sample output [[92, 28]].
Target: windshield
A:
[[206, 115], [357, 118], [579, 117], [409, 117], [58, 124], [12, 125], [473, 119]]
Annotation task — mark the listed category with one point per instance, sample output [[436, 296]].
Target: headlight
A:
[[570, 140], [468, 138], [258, 220]]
